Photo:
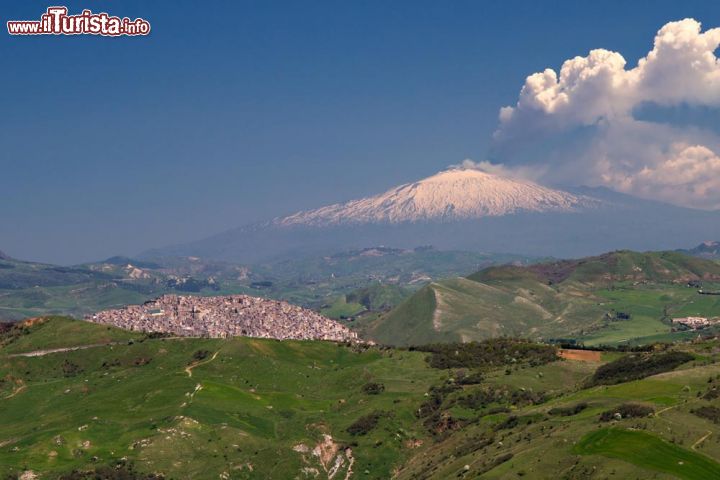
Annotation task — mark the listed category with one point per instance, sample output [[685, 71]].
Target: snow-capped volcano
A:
[[465, 209], [454, 194]]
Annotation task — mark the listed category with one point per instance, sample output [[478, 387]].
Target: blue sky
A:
[[241, 111]]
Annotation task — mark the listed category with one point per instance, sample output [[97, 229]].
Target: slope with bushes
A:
[[619, 297], [116, 404]]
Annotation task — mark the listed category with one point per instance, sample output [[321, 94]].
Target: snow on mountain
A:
[[707, 249], [465, 209], [454, 194]]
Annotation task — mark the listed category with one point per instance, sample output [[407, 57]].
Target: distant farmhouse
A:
[[694, 323]]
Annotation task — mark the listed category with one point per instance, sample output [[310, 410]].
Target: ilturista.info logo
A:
[[56, 21]]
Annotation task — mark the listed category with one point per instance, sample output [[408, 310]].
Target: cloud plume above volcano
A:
[[599, 122]]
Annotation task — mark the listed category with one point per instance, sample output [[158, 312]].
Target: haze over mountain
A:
[[454, 194], [464, 208], [708, 249]]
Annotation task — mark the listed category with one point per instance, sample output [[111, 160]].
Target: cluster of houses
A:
[[225, 316], [695, 323]]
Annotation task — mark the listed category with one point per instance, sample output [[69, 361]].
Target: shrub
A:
[[121, 471], [156, 335], [481, 398], [505, 457], [708, 412], [71, 369], [513, 421], [200, 355], [10, 332], [510, 422], [366, 423], [430, 410], [441, 423], [627, 410], [141, 361], [488, 353], [484, 397], [637, 366], [474, 443], [569, 411], [372, 388], [474, 378], [110, 363], [712, 393], [436, 397]]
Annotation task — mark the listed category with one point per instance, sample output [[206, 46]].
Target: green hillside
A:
[[554, 428], [619, 297], [364, 304], [47, 333], [378, 297], [613, 267], [203, 408], [263, 409], [379, 274], [375, 279]]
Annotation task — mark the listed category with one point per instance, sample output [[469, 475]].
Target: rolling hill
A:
[[83, 401], [202, 408], [616, 297]]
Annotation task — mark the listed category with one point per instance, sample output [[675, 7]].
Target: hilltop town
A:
[[224, 316]]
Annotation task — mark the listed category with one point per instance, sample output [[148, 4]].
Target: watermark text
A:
[[56, 21]]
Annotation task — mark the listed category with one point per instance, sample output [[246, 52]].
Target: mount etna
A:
[[467, 209]]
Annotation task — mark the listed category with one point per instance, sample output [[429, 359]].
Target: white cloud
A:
[[597, 92], [689, 175]]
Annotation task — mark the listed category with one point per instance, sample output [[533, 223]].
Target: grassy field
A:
[[650, 308], [48, 333], [341, 308], [648, 451], [249, 408]]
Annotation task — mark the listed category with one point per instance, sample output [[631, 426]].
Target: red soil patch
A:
[[580, 355]]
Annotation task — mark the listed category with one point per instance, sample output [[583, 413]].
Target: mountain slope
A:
[[462, 209], [453, 194], [617, 297], [205, 408], [708, 249], [612, 267]]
